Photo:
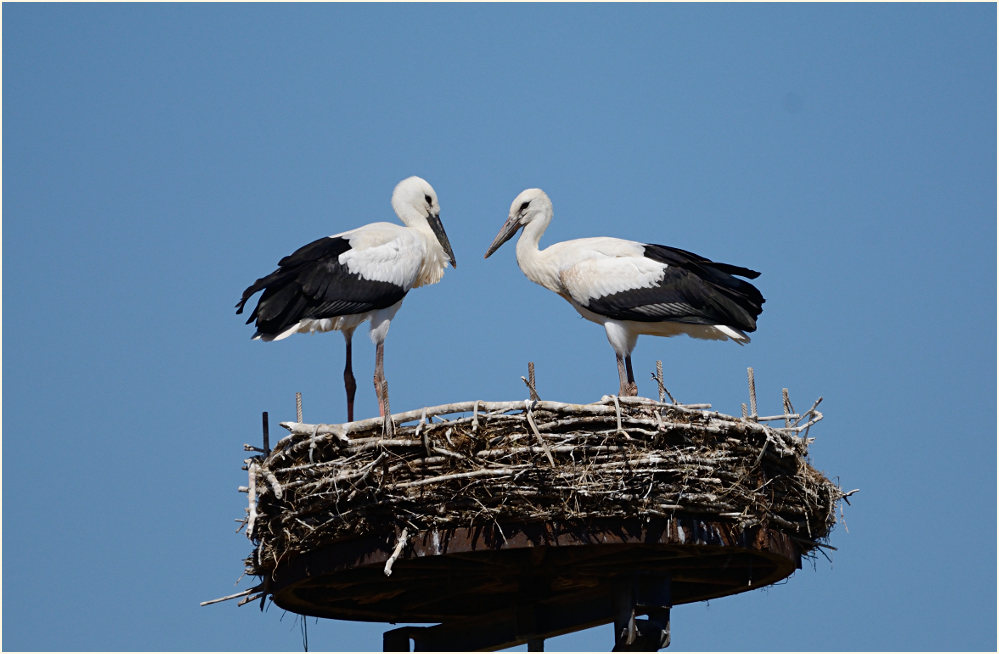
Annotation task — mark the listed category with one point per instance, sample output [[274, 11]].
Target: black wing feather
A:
[[312, 283], [693, 290]]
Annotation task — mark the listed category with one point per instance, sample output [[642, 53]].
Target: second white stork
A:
[[633, 288], [337, 282]]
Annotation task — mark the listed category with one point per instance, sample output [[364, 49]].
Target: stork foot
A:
[[628, 389]]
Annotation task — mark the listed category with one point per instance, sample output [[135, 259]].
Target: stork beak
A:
[[438, 228], [506, 232]]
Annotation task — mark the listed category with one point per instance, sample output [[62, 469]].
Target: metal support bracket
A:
[[645, 594], [641, 594]]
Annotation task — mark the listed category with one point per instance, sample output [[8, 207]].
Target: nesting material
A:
[[501, 463]]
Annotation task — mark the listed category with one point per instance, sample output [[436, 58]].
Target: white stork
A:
[[633, 288], [339, 281]]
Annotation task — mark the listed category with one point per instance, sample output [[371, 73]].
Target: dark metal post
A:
[[267, 436], [396, 640]]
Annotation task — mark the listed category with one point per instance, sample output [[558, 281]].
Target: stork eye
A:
[[427, 198], [523, 207]]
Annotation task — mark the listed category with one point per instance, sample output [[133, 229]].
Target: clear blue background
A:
[[158, 158]]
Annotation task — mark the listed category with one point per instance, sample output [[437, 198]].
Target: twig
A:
[[785, 417], [488, 472], [252, 492], [814, 543], [401, 543], [663, 391], [422, 434], [617, 411], [241, 593], [537, 434], [810, 411], [247, 600], [272, 480], [530, 382]]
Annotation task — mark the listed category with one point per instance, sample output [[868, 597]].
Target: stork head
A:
[[531, 205], [415, 202]]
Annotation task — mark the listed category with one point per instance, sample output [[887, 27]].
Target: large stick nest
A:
[[486, 463]]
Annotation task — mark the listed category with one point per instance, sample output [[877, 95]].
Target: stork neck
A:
[[411, 217], [532, 260]]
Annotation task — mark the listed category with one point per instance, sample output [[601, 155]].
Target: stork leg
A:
[[381, 390], [349, 383], [628, 386], [632, 386], [622, 376]]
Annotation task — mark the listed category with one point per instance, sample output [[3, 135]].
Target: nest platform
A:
[[510, 522]]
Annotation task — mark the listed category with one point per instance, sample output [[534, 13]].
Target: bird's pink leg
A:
[[381, 390], [622, 376]]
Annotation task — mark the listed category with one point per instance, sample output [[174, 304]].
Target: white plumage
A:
[[633, 288], [337, 282]]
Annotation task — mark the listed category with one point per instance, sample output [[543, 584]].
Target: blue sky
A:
[[158, 158]]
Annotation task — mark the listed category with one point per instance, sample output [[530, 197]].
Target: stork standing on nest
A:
[[339, 281], [633, 288]]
